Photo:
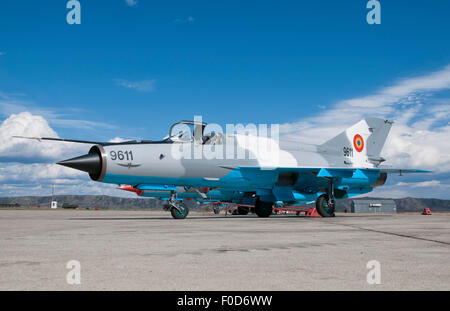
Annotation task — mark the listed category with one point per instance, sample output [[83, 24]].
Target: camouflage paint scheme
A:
[[277, 172]]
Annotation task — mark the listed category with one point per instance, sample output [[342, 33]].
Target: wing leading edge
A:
[[102, 143]]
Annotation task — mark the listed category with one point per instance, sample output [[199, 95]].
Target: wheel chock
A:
[[312, 212], [426, 211]]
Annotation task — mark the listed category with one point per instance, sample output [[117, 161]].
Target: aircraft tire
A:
[[242, 210], [177, 215], [263, 209], [216, 210], [322, 206]]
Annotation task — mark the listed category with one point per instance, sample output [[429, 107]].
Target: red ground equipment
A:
[[312, 212], [309, 211], [426, 211]]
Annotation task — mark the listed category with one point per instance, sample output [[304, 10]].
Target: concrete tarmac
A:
[[148, 250]]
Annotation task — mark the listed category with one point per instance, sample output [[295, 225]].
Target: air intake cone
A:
[[90, 163]]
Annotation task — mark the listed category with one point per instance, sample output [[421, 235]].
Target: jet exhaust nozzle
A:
[[91, 163]]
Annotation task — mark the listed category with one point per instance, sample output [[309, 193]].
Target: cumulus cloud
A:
[[396, 187], [415, 145], [141, 86], [26, 150], [420, 134], [62, 186], [37, 173], [24, 167], [419, 138], [16, 103], [36, 179]]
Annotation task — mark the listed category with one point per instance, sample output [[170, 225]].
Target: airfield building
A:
[[373, 206]]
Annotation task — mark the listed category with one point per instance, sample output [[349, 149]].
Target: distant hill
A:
[[84, 201], [109, 202]]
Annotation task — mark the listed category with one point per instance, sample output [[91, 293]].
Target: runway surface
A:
[[148, 250]]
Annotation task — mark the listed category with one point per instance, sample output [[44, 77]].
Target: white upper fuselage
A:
[[214, 160]]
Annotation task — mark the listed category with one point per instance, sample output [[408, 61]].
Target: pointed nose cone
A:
[[90, 163]]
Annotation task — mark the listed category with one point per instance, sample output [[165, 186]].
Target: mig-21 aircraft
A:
[[259, 171]]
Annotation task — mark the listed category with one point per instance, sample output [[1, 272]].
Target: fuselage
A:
[[236, 164], [255, 170]]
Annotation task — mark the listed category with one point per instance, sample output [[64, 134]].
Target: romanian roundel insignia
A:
[[358, 142]]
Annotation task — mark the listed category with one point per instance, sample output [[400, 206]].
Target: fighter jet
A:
[[286, 172]]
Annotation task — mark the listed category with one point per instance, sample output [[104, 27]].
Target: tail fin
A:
[[361, 142]]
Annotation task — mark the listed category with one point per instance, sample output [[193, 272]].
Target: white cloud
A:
[[15, 103], [142, 86], [131, 2], [26, 150], [421, 184], [404, 91], [420, 136], [434, 188], [23, 170], [23, 167], [62, 186], [81, 124], [37, 173]]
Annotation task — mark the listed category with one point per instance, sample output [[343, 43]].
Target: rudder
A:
[[361, 142]]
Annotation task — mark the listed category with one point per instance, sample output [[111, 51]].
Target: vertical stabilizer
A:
[[362, 142]]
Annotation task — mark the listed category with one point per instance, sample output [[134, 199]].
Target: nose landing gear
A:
[[178, 209]]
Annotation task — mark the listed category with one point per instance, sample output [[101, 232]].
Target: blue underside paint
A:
[[157, 187], [263, 182]]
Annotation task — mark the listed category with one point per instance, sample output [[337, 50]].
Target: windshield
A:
[[187, 131], [213, 139]]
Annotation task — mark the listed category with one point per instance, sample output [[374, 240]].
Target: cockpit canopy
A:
[[193, 131]]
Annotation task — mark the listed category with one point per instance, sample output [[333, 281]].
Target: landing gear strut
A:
[[178, 209], [325, 204]]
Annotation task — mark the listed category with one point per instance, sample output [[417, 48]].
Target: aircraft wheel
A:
[[180, 214], [263, 209], [216, 210], [242, 210], [323, 207]]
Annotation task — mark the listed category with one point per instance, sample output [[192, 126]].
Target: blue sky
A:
[[132, 70]]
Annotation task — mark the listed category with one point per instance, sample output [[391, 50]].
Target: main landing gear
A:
[[178, 209], [241, 210], [326, 204], [263, 209]]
